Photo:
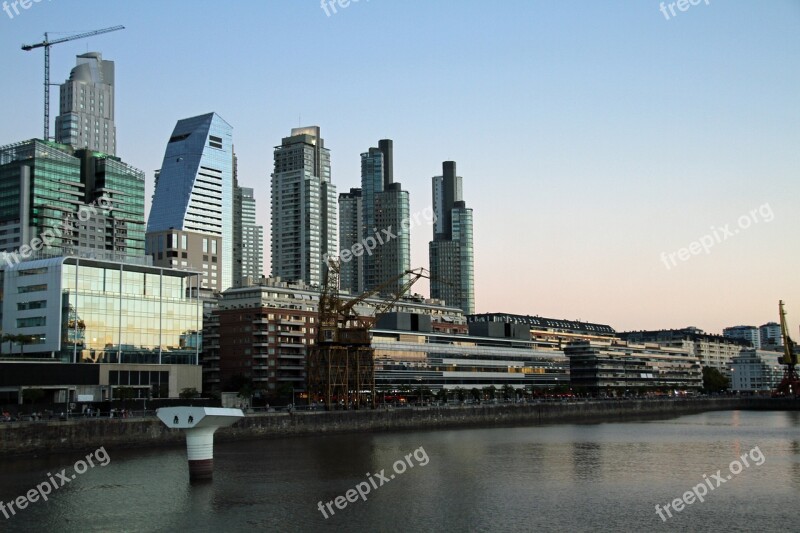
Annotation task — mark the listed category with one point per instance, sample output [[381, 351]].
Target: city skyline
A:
[[611, 173]]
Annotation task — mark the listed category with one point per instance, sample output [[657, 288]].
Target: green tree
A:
[[713, 380], [508, 392], [476, 394], [189, 393], [459, 392], [490, 392]]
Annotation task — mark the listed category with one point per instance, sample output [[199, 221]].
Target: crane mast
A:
[[46, 44], [791, 383]]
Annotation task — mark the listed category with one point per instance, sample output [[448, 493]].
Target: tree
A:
[[459, 392], [490, 392], [476, 394], [189, 393], [508, 391], [713, 380]]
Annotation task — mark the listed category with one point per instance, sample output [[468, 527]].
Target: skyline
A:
[[574, 106]]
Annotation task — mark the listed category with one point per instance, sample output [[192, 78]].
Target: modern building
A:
[[770, 335], [86, 116], [351, 233], [304, 208], [756, 371], [559, 331], [747, 333], [56, 200], [86, 326], [615, 368], [260, 333], [252, 258], [191, 223], [714, 351], [385, 205], [451, 250]]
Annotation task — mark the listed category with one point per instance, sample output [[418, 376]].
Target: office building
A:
[[56, 200], [304, 208], [351, 233], [559, 331], [746, 333], [88, 326], [86, 115], [451, 251], [191, 223]]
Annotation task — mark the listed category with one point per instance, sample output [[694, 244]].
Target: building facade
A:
[[452, 250], [756, 371], [304, 208], [86, 116], [713, 351], [75, 202], [615, 367], [191, 223], [351, 232], [746, 333], [249, 252], [76, 311], [770, 335]]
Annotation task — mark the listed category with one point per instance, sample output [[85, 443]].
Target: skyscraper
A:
[[351, 233], [304, 218], [451, 250], [747, 333], [385, 205], [191, 220], [86, 115], [252, 236]]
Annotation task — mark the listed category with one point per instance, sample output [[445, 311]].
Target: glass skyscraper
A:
[[351, 232], [193, 202], [451, 250], [304, 209]]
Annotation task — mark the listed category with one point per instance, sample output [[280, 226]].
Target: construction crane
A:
[[46, 44], [340, 365], [791, 383]]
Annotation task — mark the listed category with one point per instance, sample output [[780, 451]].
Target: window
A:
[[32, 322], [214, 247], [184, 245], [26, 306], [31, 288]]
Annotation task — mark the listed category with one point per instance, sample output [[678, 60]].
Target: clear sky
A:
[[592, 136]]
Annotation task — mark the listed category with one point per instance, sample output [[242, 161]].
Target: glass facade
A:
[[118, 314]]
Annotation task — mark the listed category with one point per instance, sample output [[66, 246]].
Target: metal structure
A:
[[790, 385], [340, 367], [46, 44]]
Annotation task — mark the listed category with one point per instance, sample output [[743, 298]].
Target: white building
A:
[[756, 371]]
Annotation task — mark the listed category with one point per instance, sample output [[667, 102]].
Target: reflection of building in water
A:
[[143, 320]]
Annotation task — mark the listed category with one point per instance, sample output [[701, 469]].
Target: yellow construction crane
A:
[[340, 367], [46, 44]]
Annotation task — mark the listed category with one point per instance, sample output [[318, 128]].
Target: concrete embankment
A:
[[28, 438]]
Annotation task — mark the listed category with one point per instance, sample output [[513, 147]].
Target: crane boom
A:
[[46, 44]]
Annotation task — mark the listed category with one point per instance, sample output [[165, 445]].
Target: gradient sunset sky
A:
[[592, 136]]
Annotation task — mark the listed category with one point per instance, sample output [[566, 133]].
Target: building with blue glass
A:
[[191, 220]]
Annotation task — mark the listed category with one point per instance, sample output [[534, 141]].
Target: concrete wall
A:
[[54, 437]]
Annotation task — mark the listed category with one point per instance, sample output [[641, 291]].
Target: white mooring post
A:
[[199, 423]]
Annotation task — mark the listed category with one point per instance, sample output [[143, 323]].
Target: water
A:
[[545, 478]]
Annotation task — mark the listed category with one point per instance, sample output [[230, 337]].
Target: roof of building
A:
[[542, 322]]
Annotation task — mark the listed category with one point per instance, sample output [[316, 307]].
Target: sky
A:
[[594, 138]]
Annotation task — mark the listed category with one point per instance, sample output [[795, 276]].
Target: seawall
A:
[[27, 438]]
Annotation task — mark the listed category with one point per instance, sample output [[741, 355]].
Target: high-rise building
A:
[[351, 209], [747, 333], [86, 116], [770, 334], [55, 200], [451, 250], [304, 208], [252, 236], [384, 206], [191, 224]]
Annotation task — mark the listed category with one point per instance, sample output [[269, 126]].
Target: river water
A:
[[570, 477]]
